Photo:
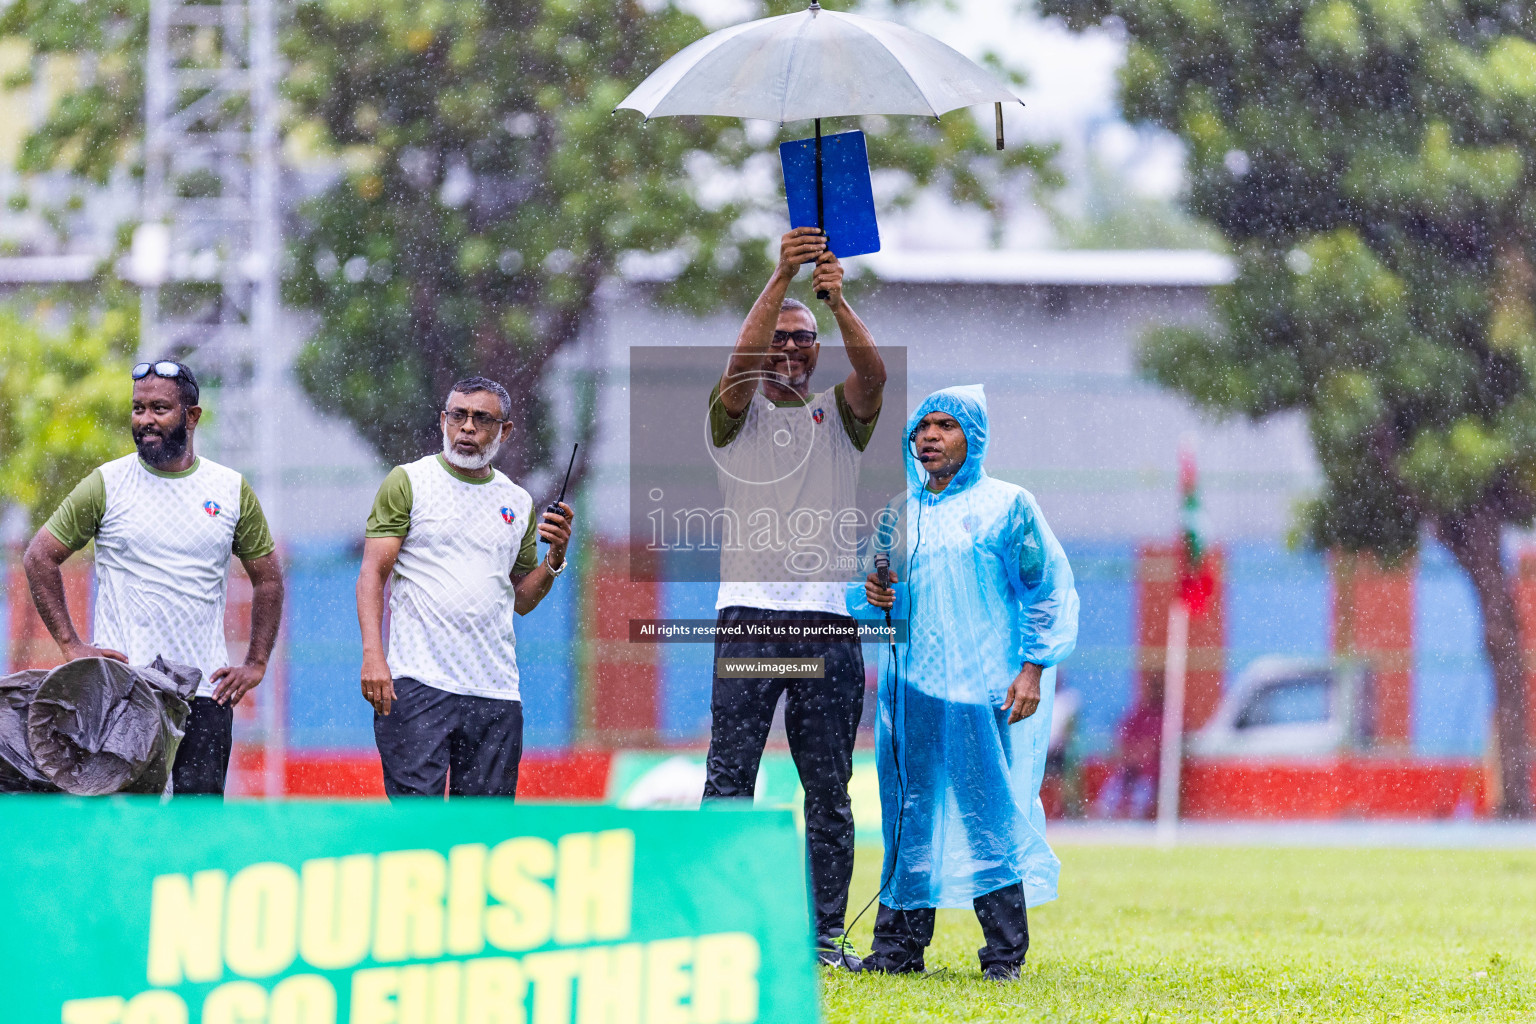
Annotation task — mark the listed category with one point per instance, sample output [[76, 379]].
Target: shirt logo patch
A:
[[507, 515], [970, 523], [818, 416], [212, 508]]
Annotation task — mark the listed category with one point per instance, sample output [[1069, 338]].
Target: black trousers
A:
[[821, 722], [432, 738], [901, 936], [202, 760]]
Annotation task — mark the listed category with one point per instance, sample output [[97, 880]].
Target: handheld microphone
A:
[[883, 574], [554, 506]]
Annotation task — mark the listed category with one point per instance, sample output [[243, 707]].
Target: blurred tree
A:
[[1369, 163], [1111, 214], [64, 398], [486, 189]]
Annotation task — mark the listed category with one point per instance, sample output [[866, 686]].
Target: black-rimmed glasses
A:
[[482, 420], [801, 339]]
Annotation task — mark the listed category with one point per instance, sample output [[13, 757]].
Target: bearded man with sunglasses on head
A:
[[165, 523], [787, 453], [459, 542]]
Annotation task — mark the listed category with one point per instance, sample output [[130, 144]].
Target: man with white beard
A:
[[461, 543]]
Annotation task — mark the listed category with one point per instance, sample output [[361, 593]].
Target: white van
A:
[[1292, 707]]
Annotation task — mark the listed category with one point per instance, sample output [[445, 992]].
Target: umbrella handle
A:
[[821, 206]]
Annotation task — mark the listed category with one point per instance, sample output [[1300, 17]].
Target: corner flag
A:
[[1196, 582]]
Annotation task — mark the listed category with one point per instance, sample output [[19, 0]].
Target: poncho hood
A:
[[967, 403]]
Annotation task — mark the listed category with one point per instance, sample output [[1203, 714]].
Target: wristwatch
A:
[[552, 570]]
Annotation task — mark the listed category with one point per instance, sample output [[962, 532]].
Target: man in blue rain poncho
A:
[[965, 705]]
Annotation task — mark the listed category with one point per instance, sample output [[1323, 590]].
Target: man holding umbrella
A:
[[764, 398], [806, 66]]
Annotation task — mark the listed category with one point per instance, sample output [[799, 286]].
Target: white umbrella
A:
[[817, 64]]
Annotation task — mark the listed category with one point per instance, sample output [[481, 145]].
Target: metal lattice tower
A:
[[208, 251]]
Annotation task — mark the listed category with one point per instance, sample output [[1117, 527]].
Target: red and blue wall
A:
[[586, 689]]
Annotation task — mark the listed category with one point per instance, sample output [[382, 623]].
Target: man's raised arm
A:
[[866, 380], [798, 246]]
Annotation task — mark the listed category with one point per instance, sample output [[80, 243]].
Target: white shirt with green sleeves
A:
[[452, 604], [163, 543]]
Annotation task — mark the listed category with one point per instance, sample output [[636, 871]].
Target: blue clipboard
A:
[[847, 196]]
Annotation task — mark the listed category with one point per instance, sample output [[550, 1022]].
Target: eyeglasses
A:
[[483, 420], [802, 339], [164, 368]]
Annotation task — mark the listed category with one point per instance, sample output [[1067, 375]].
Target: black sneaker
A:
[[837, 951], [1001, 972], [875, 965]]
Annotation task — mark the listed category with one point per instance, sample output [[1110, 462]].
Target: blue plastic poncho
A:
[[985, 587]]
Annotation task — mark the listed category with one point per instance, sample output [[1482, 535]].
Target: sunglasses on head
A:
[[802, 339], [164, 368], [169, 370]]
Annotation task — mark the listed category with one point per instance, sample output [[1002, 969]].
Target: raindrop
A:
[[355, 269], [1237, 162]]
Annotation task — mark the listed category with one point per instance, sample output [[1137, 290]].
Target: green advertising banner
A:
[[125, 911]]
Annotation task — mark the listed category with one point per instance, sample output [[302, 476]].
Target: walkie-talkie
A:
[[554, 506]]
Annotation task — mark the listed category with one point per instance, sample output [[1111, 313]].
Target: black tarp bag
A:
[[93, 726]]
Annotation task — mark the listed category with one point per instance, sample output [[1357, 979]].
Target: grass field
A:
[[1211, 934]]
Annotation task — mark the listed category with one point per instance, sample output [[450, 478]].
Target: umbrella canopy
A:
[[815, 64]]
